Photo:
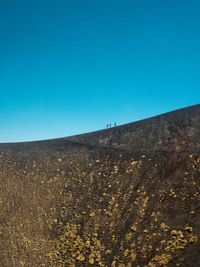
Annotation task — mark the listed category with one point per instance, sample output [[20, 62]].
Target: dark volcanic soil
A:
[[125, 196]]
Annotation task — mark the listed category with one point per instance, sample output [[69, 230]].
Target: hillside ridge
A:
[[94, 137], [175, 130], [122, 197]]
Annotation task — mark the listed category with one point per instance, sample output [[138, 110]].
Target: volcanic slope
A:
[[125, 196]]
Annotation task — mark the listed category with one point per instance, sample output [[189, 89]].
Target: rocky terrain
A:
[[125, 196]]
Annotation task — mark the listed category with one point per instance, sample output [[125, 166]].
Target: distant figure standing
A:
[[107, 125], [115, 124], [110, 125]]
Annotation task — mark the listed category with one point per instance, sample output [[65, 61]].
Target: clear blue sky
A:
[[69, 67]]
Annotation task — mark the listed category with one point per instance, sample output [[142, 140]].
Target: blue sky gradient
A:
[[69, 67]]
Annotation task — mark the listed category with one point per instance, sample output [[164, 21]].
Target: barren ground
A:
[[126, 196]]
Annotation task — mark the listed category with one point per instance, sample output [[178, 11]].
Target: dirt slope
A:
[[127, 196], [177, 130]]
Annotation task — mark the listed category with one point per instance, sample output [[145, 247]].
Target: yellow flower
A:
[[92, 214], [188, 229], [80, 257], [91, 261], [108, 251]]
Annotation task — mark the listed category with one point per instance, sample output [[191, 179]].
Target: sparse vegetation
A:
[[67, 204]]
